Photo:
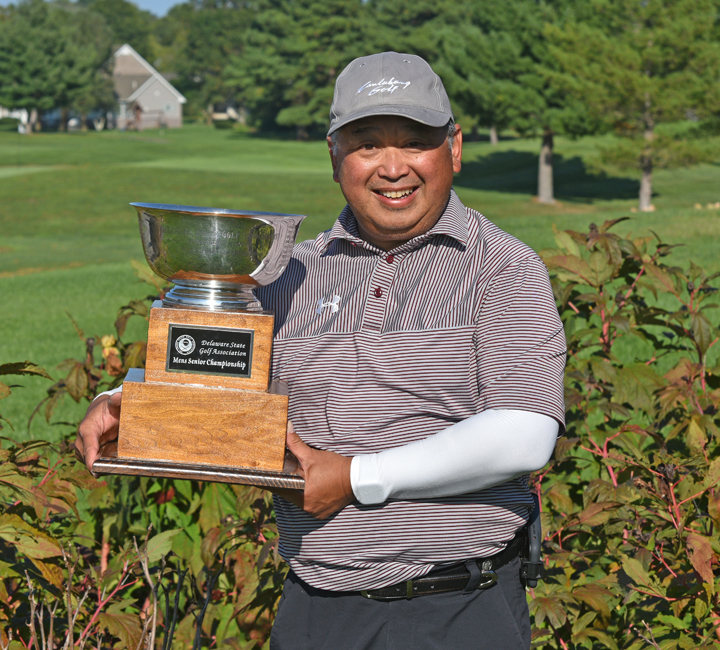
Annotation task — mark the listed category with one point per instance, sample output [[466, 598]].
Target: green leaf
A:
[[609, 223], [161, 544], [596, 596], [672, 621], [145, 273], [121, 322], [135, 355], [10, 475], [76, 382], [639, 576], [212, 542], [138, 308], [578, 269], [712, 476], [8, 570], [602, 270], [51, 572], [596, 513], [695, 436], [604, 370], [701, 608], [125, 627], [551, 607], [661, 279], [52, 402], [565, 241], [581, 623], [27, 539], [703, 332], [636, 385], [211, 510], [23, 368]]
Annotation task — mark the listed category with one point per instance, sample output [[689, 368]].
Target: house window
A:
[[169, 109]]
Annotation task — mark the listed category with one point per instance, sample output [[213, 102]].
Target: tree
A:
[[28, 74], [128, 24], [292, 52], [493, 59], [196, 42], [637, 66], [51, 56], [481, 67], [505, 82]]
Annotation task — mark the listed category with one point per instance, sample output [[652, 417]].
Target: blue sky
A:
[[158, 7]]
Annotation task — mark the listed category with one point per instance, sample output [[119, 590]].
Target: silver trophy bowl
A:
[[215, 257]]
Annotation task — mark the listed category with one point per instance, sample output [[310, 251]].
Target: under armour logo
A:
[[334, 304]]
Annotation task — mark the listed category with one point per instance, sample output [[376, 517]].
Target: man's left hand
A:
[[327, 479]]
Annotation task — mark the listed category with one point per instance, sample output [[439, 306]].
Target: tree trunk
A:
[[32, 121], [63, 119], [646, 165], [493, 135], [646, 188], [545, 170], [301, 133]]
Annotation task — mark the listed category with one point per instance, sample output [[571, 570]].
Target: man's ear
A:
[[333, 159], [457, 150]]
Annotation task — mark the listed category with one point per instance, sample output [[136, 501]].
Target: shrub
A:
[[127, 561], [9, 123], [631, 502]]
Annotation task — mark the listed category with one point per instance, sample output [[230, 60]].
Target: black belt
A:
[[473, 574]]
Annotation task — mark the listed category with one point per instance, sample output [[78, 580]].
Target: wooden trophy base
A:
[[110, 463], [203, 409]]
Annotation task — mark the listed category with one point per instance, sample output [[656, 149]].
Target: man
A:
[[424, 356]]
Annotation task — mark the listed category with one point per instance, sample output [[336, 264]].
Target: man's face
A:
[[396, 175]]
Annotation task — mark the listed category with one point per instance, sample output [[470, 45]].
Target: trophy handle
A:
[[276, 261]]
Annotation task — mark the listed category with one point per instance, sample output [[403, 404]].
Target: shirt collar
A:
[[453, 222]]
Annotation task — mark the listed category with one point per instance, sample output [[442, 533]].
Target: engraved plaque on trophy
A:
[[204, 407]]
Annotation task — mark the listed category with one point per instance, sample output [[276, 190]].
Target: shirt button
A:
[[390, 259], [378, 292]]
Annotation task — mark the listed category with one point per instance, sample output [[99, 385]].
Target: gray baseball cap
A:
[[389, 84]]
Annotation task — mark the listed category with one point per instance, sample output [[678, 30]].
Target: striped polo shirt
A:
[[381, 349]]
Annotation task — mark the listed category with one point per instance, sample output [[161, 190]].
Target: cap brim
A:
[[423, 115]]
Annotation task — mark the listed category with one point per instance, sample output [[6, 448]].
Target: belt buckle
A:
[[488, 577]]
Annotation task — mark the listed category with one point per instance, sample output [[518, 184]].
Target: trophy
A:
[[204, 407]]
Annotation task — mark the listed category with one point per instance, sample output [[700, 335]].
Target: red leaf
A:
[[701, 556]]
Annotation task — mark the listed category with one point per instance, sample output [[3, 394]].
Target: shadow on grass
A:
[[516, 172]]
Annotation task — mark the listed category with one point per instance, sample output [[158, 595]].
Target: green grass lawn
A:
[[67, 232]]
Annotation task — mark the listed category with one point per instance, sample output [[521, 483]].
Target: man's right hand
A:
[[99, 426]]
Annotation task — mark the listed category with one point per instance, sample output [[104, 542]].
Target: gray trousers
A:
[[494, 619]]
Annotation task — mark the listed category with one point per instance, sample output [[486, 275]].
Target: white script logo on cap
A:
[[384, 86]]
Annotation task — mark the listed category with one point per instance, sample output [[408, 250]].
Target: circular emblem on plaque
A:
[[185, 344]]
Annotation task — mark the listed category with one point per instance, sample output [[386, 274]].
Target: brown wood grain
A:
[[162, 317], [202, 425]]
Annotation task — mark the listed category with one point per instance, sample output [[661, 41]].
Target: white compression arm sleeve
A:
[[109, 392], [487, 449]]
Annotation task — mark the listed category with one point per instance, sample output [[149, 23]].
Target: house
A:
[[146, 99]]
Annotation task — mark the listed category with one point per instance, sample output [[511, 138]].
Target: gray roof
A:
[[132, 72]]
